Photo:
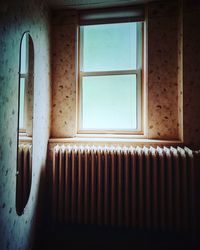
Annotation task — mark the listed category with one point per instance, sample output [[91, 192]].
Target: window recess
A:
[[110, 72]]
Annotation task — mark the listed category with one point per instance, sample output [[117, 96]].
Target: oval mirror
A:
[[25, 122]]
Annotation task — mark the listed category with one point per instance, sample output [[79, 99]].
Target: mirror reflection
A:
[[25, 122]]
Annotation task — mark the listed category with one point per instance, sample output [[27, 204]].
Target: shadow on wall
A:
[[40, 205]]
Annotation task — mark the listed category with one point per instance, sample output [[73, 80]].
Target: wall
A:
[[163, 116], [173, 77], [163, 43], [63, 74], [173, 85], [15, 18], [191, 72]]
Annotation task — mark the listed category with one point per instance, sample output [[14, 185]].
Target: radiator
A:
[[24, 173], [145, 188]]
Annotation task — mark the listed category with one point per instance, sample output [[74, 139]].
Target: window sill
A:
[[125, 140], [24, 138]]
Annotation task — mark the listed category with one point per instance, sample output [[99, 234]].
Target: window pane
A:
[[21, 104], [109, 102], [109, 47], [24, 55]]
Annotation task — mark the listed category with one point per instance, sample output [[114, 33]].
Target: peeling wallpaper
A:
[[16, 232]]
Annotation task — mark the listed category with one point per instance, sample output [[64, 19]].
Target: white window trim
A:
[[141, 132]]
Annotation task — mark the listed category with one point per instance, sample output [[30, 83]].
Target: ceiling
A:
[[85, 4]]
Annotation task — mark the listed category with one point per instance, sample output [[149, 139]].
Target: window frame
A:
[[25, 77], [139, 72]]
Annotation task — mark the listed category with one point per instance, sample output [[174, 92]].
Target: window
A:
[[23, 80], [26, 84], [110, 82]]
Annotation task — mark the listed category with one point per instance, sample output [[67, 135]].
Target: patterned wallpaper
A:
[[163, 117], [64, 79], [166, 114], [172, 104], [163, 71], [15, 18], [191, 72]]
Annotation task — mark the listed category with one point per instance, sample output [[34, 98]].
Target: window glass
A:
[[23, 69], [21, 105], [110, 77], [109, 102], [109, 47]]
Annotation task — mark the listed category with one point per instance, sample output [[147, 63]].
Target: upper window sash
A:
[[134, 65]]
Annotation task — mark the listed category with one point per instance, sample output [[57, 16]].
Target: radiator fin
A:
[[139, 187]]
